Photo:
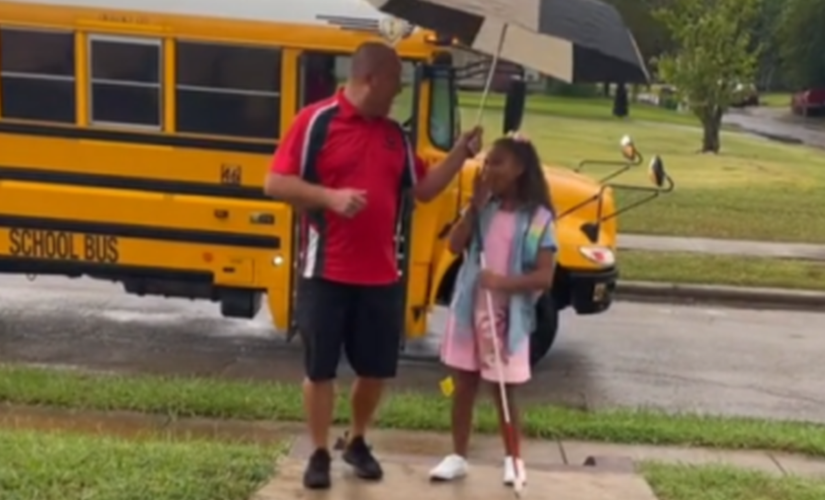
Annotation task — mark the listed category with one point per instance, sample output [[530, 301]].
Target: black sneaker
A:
[[316, 475], [359, 456]]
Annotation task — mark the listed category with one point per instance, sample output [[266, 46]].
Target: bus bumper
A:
[[591, 292]]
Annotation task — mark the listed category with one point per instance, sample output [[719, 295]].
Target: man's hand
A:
[[466, 146], [346, 202], [470, 142]]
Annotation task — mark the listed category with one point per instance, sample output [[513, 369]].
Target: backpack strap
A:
[[539, 223]]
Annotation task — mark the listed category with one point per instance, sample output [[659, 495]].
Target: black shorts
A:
[[364, 321]]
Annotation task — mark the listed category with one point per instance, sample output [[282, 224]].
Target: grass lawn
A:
[[684, 267], [719, 482], [775, 100], [270, 401], [51, 466], [595, 108], [755, 189]]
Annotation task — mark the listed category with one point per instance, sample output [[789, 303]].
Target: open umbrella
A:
[[576, 41]]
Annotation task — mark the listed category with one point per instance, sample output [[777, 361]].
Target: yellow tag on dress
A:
[[447, 387]]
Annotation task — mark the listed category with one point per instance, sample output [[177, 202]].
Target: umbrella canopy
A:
[[571, 40]]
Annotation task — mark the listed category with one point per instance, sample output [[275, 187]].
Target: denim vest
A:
[[530, 230]]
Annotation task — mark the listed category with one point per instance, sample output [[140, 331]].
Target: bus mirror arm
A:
[[586, 201], [652, 193], [623, 166], [592, 229], [662, 183]]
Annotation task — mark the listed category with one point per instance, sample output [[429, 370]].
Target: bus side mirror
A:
[[514, 105], [629, 150], [658, 176]]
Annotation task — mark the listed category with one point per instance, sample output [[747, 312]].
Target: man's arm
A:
[[284, 181], [296, 191], [431, 183]]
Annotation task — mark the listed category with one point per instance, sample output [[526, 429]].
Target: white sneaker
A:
[[450, 468], [510, 471]]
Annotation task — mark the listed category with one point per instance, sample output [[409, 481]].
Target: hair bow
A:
[[517, 136]]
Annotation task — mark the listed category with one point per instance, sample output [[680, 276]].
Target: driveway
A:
[[779, 125]]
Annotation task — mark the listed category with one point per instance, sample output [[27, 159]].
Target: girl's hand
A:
[[481, 191], [490, 280]]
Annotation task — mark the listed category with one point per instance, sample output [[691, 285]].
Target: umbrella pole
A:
[[490, 74]]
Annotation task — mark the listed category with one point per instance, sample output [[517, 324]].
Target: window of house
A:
[[228, 90], [37, 75], [125, 80]]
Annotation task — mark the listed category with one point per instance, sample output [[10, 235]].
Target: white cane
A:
[[509, 431]]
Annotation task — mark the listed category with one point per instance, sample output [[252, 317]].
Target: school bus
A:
[[135, 136]]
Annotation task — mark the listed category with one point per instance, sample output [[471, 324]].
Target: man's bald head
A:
[[375, 78], [370, 57]]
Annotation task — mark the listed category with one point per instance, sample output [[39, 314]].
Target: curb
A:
[[730, 296]]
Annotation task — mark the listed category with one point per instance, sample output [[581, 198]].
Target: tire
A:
[[547, 325]]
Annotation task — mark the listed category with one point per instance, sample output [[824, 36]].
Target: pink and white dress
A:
[[472, 351]]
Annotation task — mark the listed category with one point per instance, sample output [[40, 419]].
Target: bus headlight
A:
[[600, 255]]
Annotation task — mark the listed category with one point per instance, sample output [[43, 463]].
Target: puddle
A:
[[126, 316], [121, 424], [232, 430], [136, 425], [225, 327]]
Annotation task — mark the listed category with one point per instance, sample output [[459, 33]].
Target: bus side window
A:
[[125, 81], [319, 79], [37, 75], [228, 90]]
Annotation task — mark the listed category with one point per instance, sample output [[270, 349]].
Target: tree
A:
[[770, 74], [801, 36], [714, 53]]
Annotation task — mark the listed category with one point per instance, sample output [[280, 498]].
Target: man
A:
[[343, 163]]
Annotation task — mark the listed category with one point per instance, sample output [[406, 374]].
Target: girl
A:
[[512, 210]]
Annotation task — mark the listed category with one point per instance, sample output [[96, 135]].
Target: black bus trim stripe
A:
[[103, 135], [19, 265], [132, 183], [142, 232]]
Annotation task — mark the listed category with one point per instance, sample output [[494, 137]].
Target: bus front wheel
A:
[[547, 324]]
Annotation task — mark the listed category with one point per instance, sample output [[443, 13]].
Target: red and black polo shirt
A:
[[331, 144]]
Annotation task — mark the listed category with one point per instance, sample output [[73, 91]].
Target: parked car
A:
[[745, 95], [809, 102]]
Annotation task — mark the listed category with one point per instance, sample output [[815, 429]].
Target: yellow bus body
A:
[[181, 213]]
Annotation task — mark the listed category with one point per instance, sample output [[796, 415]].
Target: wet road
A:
[[779, 125], [760, 363]]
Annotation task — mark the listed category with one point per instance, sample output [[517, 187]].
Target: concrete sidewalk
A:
[[801, 251], [431, 446], [571, 470]]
